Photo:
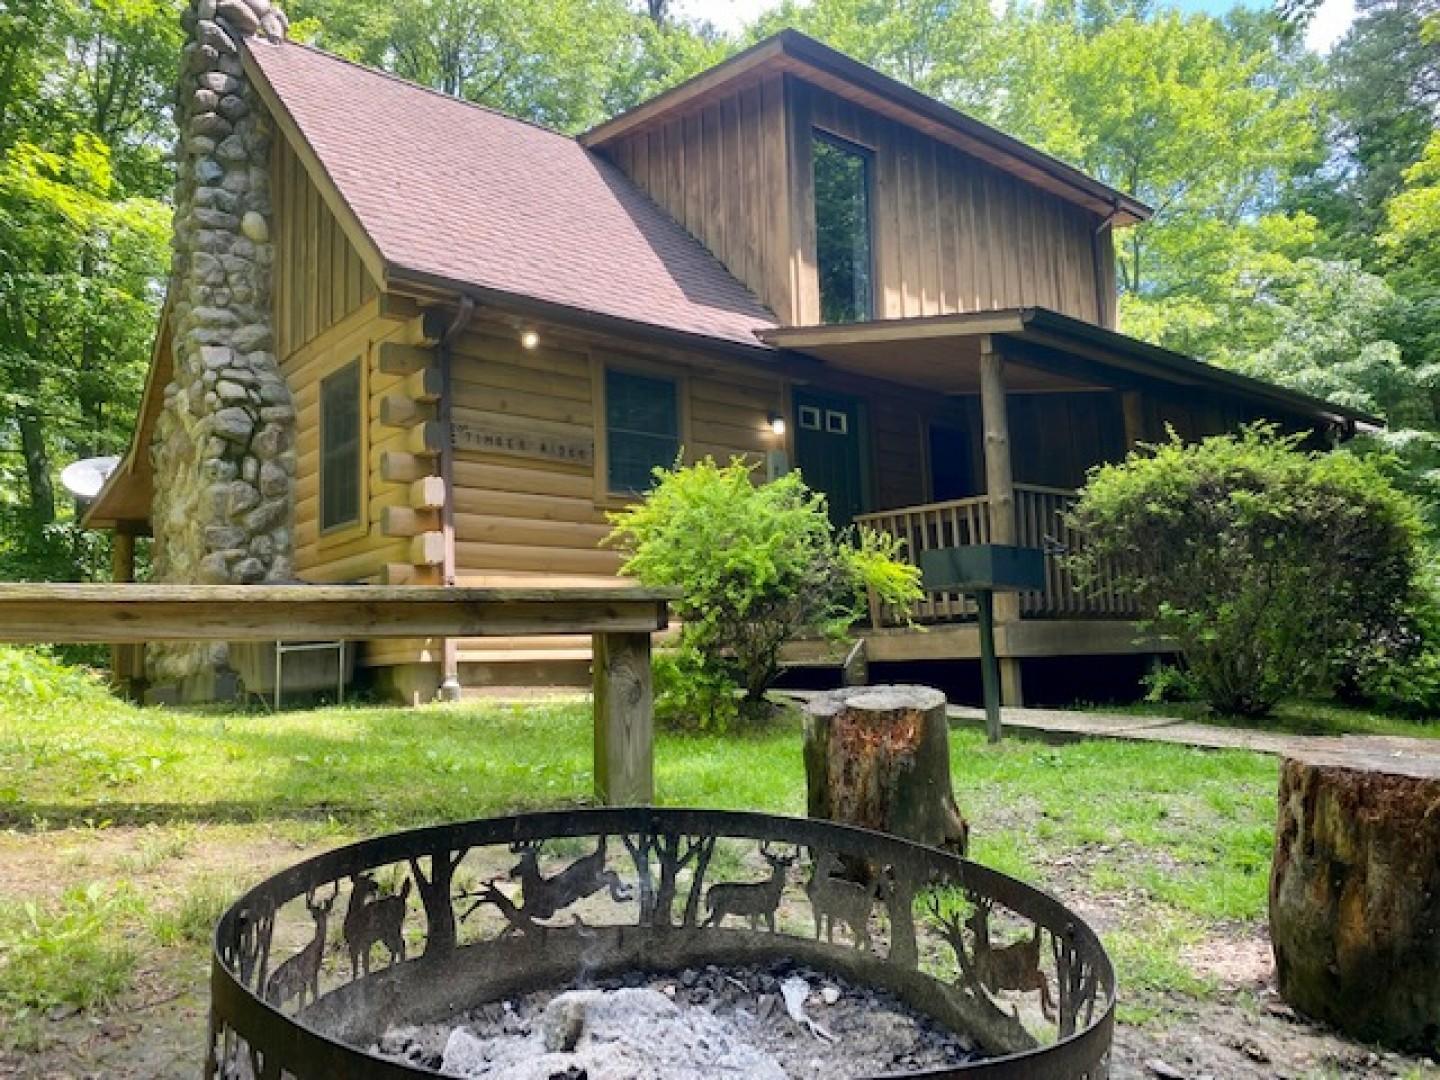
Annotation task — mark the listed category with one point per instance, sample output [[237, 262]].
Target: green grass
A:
[[72, 952], [1177, 840]]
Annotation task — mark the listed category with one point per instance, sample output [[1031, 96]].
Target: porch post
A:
[[125, 660], [1133, 414], [624, 720], [1000, 493]]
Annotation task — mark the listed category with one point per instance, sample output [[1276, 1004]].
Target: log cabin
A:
[[411, 340]]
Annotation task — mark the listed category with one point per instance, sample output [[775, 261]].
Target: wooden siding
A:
[[319, 277], [720, 171], [951, 233], [358, 553]]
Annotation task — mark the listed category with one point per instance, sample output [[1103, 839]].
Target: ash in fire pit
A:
[[762, 1023]]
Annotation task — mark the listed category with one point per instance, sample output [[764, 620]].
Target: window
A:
[[642, 428], [842, 230], [340, 457]]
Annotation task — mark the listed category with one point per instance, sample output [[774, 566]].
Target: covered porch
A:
[[1031, 400]]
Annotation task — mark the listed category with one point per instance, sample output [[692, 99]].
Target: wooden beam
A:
[[426, 438], [624, 720], [398, 359], [427, 384], [428, 549], [70, 613], [999, 479], [427, 493], [405, 521], [400, 467], [396, 410], [1132, 409]]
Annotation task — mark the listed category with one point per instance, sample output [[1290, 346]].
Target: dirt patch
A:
[[1231, 1042]]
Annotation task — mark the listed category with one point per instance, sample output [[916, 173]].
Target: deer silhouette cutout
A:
[[1012, 967], [839, 899], [301, 973], [371, 919], [753, 900], [542, 897]]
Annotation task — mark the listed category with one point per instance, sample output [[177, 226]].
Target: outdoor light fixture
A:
[[777, 423], [529, 339]]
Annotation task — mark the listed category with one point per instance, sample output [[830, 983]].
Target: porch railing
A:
[[1039, 522]]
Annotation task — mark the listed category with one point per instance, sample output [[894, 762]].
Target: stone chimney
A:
[[223, 449]]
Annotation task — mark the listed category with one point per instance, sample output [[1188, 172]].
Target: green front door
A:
[[829, 441]]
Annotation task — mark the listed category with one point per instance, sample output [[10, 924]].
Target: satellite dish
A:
[[86, 477]]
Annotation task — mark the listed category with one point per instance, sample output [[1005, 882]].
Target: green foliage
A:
[[568, 64], [1273, 569], [34, 677], [757, 565], [67, 953]]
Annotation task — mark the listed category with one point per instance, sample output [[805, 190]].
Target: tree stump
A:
[[879, 757], [1355, 893]]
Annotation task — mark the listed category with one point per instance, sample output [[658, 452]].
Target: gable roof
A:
[[808, 59], [454, 194]]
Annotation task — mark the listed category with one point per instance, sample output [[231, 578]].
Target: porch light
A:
[[777, 423], [529, 339]]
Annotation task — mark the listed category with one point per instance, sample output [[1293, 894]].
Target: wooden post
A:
[[125, 660], [1000, 494], [624, 720], [1133, 415]]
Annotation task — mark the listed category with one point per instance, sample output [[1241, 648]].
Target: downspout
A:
[[449, 647]]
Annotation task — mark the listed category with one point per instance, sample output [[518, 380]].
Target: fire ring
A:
[[313, 967]]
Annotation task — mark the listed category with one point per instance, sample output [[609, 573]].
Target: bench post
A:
[[624, 720]]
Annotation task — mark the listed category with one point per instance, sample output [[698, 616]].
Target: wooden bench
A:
[[619, 620]]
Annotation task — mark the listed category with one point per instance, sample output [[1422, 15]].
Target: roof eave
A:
[[790, 47], [1188, 365], [423, 283]]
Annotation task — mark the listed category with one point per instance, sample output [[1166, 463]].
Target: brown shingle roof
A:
[[450, 190]]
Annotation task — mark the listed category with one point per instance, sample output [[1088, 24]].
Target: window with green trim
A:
[[340, 450], [642, 429]]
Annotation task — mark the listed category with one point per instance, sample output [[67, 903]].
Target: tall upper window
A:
[[843, 247], [340, 457], [642, 429]]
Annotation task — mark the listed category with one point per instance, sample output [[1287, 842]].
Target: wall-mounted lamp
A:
[[777, 423], [529, 339]]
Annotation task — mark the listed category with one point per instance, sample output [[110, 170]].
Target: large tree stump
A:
[[879, 757], [1355, 893]]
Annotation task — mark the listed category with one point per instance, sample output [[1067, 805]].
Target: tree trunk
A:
[[1355, 894], [879, 757]]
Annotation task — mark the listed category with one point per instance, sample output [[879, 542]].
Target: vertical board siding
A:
[[319, 277], [951, 233], [721, 172]]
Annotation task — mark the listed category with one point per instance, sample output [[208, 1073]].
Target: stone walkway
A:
[[1059, 725]]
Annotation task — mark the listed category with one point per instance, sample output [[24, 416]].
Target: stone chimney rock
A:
[[223, 449]]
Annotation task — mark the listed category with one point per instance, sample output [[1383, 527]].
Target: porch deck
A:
[[1039, 523]]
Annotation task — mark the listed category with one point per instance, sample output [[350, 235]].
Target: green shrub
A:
[[1276, 571], [758, 565], [34, 676], [1402, 674]]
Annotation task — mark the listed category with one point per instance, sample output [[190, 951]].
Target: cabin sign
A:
[[515, 440]]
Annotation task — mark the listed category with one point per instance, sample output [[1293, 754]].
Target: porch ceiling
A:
[[1044, 351], [940, 354]]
